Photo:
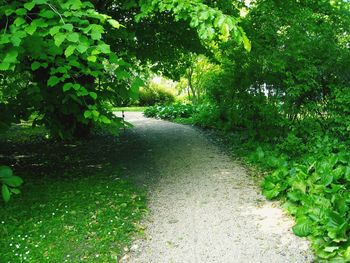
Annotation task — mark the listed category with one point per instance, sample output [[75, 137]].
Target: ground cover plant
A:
[[75, 204]]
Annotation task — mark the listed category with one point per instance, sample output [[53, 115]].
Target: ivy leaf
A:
[[59, 38], [5, 193], [53, 80], [73, 37], [69, 50], [29, 6]]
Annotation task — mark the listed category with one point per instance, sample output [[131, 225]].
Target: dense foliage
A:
[[61, 54], [170, 112], [291, 97]]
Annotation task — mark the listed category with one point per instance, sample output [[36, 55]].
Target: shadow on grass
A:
[[75, 205]]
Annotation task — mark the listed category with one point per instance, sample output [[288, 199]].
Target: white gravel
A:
[[204, 207]]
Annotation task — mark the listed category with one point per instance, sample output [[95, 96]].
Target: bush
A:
[[170, 112], [155, 94]]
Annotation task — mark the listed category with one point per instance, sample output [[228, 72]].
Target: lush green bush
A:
[[155, 94], [171, 112]]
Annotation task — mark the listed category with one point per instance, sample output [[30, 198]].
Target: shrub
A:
[[173, 111], [155, 94]]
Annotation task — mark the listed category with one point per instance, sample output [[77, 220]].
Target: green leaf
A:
[[39, 2], [87, 114], [347, 173], [53, 80], [35, 65], [19, 21], [69, 50], [5, 193], [15, 191], [96, 36], [47, 14], [11, 56], [5, 171], [4, 66], [93, 95], [104, 119], [92, 58], [54, 30], [31, 29], [82, 47], [104, 48], [59, 38], [73, 37], [302, 229], [16, 41], [29, 6], [113, 23], [68, 27], [335, 220], [67, 86], [13, 181], [21, 11]]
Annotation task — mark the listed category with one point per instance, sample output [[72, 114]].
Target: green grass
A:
[[74, 205], [134, 108]]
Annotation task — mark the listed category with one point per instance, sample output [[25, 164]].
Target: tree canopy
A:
[[74, 57]]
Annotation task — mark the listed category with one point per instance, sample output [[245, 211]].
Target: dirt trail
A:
[[204, 207]]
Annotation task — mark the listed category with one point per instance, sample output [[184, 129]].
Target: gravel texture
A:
[[204, 207]]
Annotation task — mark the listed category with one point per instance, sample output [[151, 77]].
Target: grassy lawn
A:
[[74, 206], [134, 108]]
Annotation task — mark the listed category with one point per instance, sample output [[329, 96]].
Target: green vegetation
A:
[[131, 108], [285, 107], [74, 206], [273, 75]]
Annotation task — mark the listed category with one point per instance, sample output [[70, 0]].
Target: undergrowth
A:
[[309, 171]]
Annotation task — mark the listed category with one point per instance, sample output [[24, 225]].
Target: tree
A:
[[61, 49]]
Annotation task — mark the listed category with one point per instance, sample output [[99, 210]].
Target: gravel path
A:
[[204, 207]]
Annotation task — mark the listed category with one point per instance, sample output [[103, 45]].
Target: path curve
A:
[[204, 207]]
